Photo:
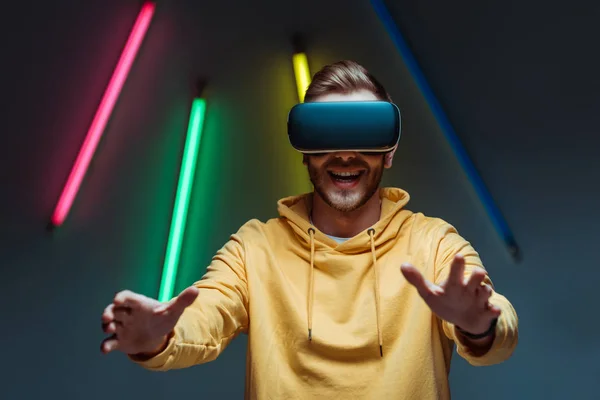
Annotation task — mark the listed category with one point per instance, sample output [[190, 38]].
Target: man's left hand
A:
[[458, 300]]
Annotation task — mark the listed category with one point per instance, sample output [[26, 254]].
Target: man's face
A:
[[347, 180]]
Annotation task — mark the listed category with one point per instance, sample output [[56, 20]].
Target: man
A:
[[346, 295]]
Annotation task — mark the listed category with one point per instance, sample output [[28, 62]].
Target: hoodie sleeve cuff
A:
[[501, 348], [465, 349], [159, 361]]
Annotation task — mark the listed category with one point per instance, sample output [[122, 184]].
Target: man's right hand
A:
[[139, 325]]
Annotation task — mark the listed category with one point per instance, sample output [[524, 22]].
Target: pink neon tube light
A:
[[103, 113]]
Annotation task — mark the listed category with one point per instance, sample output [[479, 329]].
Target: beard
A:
[[345, 200]]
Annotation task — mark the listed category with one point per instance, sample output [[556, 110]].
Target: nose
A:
[[346, 155]]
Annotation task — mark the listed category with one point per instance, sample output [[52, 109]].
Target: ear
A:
[[388, 158], [304, 159]]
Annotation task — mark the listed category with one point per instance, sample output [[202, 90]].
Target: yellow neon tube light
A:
[[302, 73]]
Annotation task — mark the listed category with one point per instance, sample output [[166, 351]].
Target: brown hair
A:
[[344, 77]]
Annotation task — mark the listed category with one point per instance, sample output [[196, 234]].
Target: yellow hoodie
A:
[[328, 320]]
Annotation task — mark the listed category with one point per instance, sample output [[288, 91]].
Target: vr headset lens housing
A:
[[362, 126]]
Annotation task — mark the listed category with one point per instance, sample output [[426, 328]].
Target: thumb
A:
[[179, 303], [414, 277], [186, 298]]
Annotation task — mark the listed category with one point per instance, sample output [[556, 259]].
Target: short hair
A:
[[344, 77]]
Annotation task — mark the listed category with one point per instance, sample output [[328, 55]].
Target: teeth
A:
[[346, 173]]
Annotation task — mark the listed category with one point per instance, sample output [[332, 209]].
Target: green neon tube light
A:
[[182, 199]]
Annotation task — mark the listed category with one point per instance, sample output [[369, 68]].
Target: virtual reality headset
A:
[[361, 126]]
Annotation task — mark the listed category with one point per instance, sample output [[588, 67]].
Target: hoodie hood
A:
[[377, 239], [296, 212]]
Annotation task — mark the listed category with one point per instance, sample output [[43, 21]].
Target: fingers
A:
[[115, 315], [112, 327], [108, 314], [425, 288], [109, 344], [485, 292], [127, 298], [477, 277], [112, 313], [122, 314], [457, 271], [493, 311]]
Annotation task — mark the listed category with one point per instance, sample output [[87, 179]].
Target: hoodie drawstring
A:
[[311, 281], [371, 233]]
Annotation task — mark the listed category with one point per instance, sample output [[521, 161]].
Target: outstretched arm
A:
[[463, 296], [213, 320]]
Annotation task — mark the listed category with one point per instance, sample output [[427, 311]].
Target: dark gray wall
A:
[[517, 80]]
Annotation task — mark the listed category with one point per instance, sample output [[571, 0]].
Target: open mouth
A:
[[345, 179]]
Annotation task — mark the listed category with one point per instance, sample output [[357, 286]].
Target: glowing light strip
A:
[[460, 152], [182, 199], [302, 73], [103, 113]]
